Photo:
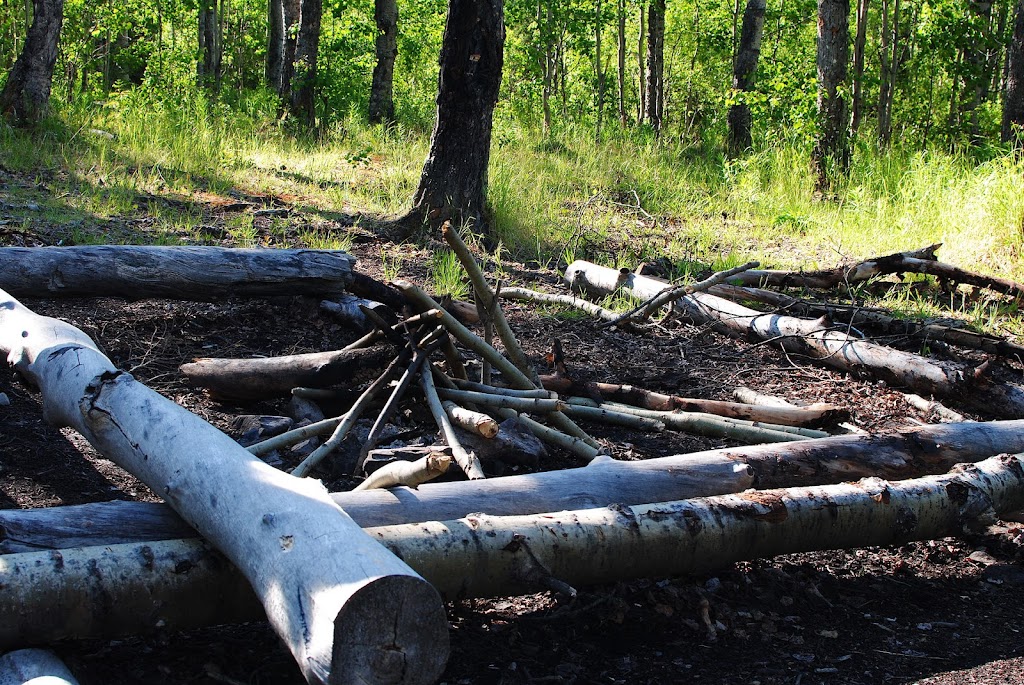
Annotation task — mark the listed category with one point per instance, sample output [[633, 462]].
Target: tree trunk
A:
[[382, 103], [256, 379], [336, 599], [275, 44], [859, 43], [1013, 95], [641, 106], [208, 69], [599, 73], [191, 273], [744, 71], [483, 556], [453, 184], [290, 10], [25, 99], [831, 151], [909, 454], [34, 667], [621, 61], [976, 90], [817, 341], [654, 101], [307, 47]]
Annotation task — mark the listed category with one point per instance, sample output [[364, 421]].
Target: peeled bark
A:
[[25, 98], [1013, 95], [382, 103], [339, 602], [744, 70], [815, 340], [257, 379], [483, 556], [453, 184], [191, 273], [909, 454]]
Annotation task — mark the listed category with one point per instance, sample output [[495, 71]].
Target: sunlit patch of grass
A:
[[325, 239], [447, 277]]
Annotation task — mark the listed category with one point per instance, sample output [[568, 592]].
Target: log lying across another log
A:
[[922, 451], [815, 340], [481, 556], [348, 610], [182, 273]]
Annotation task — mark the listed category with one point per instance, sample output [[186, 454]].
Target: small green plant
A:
[[242, 230], [447, 276], [325, 239], [391, 263]]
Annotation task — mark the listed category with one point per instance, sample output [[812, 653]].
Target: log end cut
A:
[[391, 631]]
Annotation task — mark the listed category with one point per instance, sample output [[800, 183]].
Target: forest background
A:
[[590, 157]]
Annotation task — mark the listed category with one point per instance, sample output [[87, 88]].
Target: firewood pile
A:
[[354, 582]]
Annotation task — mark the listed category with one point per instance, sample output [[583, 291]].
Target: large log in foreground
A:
[[34, 667], [347, 609], [175, 272], [922, 451], [484, 556], [816, 340]]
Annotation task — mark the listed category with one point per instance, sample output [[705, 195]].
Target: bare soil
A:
[[921, 613]]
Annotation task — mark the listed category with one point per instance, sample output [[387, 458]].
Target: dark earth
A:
[[944, 611]]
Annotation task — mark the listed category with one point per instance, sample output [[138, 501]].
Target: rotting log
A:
[[251, 380], [815, 340], [907, 454], [346, 608], [34, 667], [175, 272], [479, 555]]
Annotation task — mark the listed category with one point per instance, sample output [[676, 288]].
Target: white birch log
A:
[[346, 608], [185, 273], [481, 556], [813, 339], [921, 451], [34, 667]]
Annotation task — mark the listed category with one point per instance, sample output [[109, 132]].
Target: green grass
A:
[[619, 203]]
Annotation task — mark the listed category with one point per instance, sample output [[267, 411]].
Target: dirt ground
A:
[[927, 612]]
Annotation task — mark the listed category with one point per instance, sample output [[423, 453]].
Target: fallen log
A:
[[830, 278], [859, 316], [347, 609], [34, 667], [815, 340], [926, 450], [481, 556], [811, 416], [137, 272], [256, 379]]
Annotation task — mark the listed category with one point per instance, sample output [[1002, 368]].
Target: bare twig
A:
[[407, 473], [467, 461], [567, 300], [519, 404]]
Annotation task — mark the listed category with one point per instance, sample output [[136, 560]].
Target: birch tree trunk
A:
[[347, 609], [275, 44], [482, 556], [859, 43], [291, 11], [307, 48], [923, 451], [654, 90], [208, 69], [192, 273]]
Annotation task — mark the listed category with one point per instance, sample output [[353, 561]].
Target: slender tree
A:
[[743, 72], [307, 47], [620, 17], [275, 44], [1013, 93], [382, 103], [453, 184], [25, 98], [859, 43], [888, 57], [208, 69], [654, 101], [831, 151]]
